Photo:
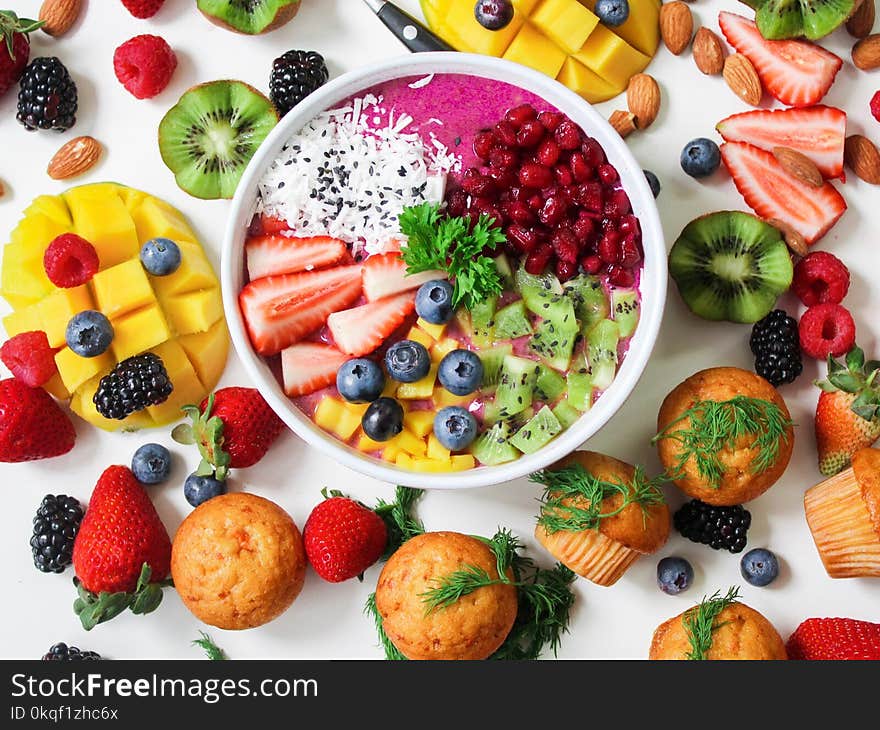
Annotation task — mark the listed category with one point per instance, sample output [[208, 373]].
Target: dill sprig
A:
[[214, 652], [572, 499], [455, 245], [717, 425], [699, 621], [392, 653], [400, 523]]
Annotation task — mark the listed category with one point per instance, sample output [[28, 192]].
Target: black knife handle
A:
[[411, 32]]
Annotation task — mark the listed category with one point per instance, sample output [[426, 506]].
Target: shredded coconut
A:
[[422, 82]]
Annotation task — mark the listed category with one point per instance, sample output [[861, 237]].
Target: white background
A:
[[326, 620]]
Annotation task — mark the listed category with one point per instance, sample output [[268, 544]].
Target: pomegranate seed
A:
[[524, 239], [565, 245], [568, 135], [503, 158], [608, 174], [580, 169], [617, 205], [519, 213], [506, 134], [483, 143], [537, 261], [477, 184], [591, 264], [519, 115], [548, 152], [535, 176], [565, 270], [553, 211], [618, 276], [517, 193], [551, 120], [609, 247], [536, 202], [503, 179], [629, 224], [593, 152], [563, 175], [591, 196], [457, 202], [630, 253], [530, 133], [583, 228]]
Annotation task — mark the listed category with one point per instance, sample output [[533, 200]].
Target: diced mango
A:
[[51, 206], [332, 415], [368, 445], [411, 444], [462, 462], [526, 7], [188, 389], [357, 409], [642, 28], [55, 388], [566, 22], [443, 398], [391, 450], [421, 423], [195, 273], [81, 403], [37, 232], [193, 312], [22, 320], [24, 279], [533, 49], [434, 330], [473, 37], [390, 389], [404, 461], [56, 310], [419, 390], [419, 335], [431, 465], [75, 370], [122, 288], [101, 218], [611, 57], [155, 219], [585, 82], [436, 450], [138, 332], [443, 348], [207, 351]]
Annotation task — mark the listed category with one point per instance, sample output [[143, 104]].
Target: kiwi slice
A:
[[549, 385], [482, 329], [554, 337], [249, 16], [730, 266], [566, 413], [540, 429], [626, 306], [779, 19], [589, 299], [516, 385], [512, 322], [602, 353], [579, 382], [493, 447], [493, 359], [210, 135]]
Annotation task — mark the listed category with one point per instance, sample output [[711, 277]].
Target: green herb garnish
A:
[[572, 499], [452, 244], [699, 622], [214, 652], [717, 425], [400, 523]]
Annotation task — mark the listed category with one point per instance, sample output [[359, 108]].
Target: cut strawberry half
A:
[[270, 226], [29, 358], [361, 330], [797, 73], [818, 132], [281, 310], [272, 255], [772, 193], [385, 275], [309, 366]]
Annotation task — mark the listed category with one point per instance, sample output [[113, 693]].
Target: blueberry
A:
[[383, 419], [612, 12], [700, 157], [674, 575], [759, 567], [407, 361], [434, 301], [89, 333], [199, 489], [455, 427], [493, 14], [160, 256], [151, 464], [653, 182], [460, 372], [360, 380]]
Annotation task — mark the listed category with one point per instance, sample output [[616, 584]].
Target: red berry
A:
[[820, 278], [29, 358], [563, 175], [476, 183], [565, 270], [591, 197], [565, 246], [503, 158], [519, 213], [827, 329], [250, 426], [458, 201], [580, 169], [519, 115], [483, 143], [835, 639], [593, 152], [629, 224], [548, 153], [530, 133], [144, 65], [630, 252], [524, 239], [553, 211], [70, 261], [591, 264], [618, 276], [875, 105], [12, 66], [609, 247], [537, 261], [532, 175], [551, 120], [506, 134], [584, 228], [32, 425], [143, 8], [568, 135], [617, 204], [608, 174], [503, 179], [536, 202], [270, 226]]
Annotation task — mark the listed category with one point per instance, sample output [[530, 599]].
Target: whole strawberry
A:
[[15, 49], [122, 552], [343, 538], [835, 639], [848, 412], [32, 426], [143, 8]]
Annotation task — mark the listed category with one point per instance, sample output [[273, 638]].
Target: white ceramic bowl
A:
[[653, 281]]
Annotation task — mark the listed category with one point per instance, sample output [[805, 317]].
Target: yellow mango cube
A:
[[23, 320], [585, 82], [421, 423], [419, 390], [526, 7], [194, 312], [195, 273], [566, 22], [36, 232], [611, 57], [435, 331], [81, 403], [391, 450], [436, 450], [101, 217], [404, 461], [188, 388], [55, 388], [51, 206], [357, 409], [431, 465], [473, 37], [533, 49], [420, 336], [462, 462], [207, 351], [642, 28], [368, 445], [138, 332], [443, 348], [75, 370], [122, 288], [24, 279], [154, 218], [57, 309], [332, 415], [411, 444], [443, 398]]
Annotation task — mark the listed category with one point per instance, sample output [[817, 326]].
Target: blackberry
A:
[[775, 343], [55, 526], [131, 386], [63, 653], [47, 96], [721, 528], [294, 76]]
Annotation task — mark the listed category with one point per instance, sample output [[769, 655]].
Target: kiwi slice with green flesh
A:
[[814, 19], [549, 385], [516, 385], [579, 382], [565, 413], [555, 334], [589, 299], [250, 17], [730, 266], [493, 446], [512, 322], [626, 307], [524, 281], [492, 359], [540, 429], [505, 271], [210, 135], [602, 353], [482, 323]]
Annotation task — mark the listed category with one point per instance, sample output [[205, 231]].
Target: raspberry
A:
[[144, 65], [70, 261], [143, 8], [820, 278], [875, 105], [827, 329], [29, 358]]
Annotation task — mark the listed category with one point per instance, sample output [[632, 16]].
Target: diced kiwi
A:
[[579, 381], [512, 322], [249, 16], [502, 265], [626, 307], [483, 322], [589, 299], [731, 266], [210, 135], [549, 385], [555, 334], [602, 352], [543, 282], [542, 427], [492, 359], [566, 413], [516, 386], [493, 446], [780, 19]]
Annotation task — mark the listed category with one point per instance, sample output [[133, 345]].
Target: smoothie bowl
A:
[[444, 272]]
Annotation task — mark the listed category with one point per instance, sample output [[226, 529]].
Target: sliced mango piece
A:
[[404, 460], [51, 206], [473, 37], [391, 450], [101, 218], [332, 415], [419, 390], [419, 335], [443, 348], [443, 398], [585, 82], [642, 28], [421, 423], [155, 219], [22, 320], [462, 462], [611, 57], [533, 49], [435, 331], [436, 450], [566, 22], [188, 389], [431, 465], [138, 332], [122, 288], [81, 403], [75, 370], [195, 273], [56, 310], [194, 312], [207, 351], [55, 388], [368, 445], [411, 444]]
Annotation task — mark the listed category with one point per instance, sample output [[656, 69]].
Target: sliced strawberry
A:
[[281, 310], [270, 226], [385, 275], [817, 132], [797, 73], [772, 193], [271, 255], [310, 366], [361, 330]]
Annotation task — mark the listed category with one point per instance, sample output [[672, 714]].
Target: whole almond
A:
[[708, 52], [624, 123], [862, 156], [861, 22], [2, 189], [59, 15], [866, 53], [676, 26], [741, 77], [643, 99], [796, 243], [75, 158], [799, 166]]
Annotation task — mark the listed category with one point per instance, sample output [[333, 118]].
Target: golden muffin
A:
[[732, 468], [238, 561], [843, 513], [471, 628], [603, 547], [738, 632]]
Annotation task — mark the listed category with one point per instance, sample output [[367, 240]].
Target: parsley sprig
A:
[[212, 651], [700, 622], [452, 244]]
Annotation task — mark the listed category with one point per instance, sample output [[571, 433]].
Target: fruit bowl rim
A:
[[652, 286]]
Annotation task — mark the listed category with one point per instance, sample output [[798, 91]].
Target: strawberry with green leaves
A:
[[848, 412], [15, 48]]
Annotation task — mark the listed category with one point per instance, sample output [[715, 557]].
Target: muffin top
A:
[[473, 627], [866, 465], [637, 515], [729, 454]]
